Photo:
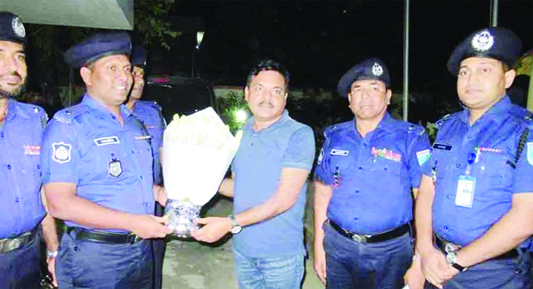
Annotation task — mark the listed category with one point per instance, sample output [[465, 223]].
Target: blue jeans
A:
[[20, 268], [494, 274], [350, 264], [86, 264], [269, 273]]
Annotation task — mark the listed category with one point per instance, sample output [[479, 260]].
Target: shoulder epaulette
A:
[[68, 114], [443, 120], [330, 129]]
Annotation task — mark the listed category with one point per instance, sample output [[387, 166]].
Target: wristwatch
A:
[[235, 227], [451, 258]]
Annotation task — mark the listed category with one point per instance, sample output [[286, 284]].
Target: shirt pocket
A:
[[495, 174], [386, 170]]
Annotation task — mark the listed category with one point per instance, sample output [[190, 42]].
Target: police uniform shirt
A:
[[111, 163], [150, 114], [489, 147], [372, 177], [21, 208]]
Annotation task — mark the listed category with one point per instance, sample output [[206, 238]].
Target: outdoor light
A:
[[199, 37], [241, 115]]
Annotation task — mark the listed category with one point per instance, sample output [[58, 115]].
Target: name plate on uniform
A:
[[337, 152]]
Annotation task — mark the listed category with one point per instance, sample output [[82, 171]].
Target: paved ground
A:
[[191, 265]]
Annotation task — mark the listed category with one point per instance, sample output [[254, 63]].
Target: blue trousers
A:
[[494, 274], [86, 264], [269, 273], [351, 265], [20, 268]]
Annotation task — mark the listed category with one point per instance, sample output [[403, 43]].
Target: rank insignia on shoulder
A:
[[337, 152], [530, 153], [115, 168], [61, 153]]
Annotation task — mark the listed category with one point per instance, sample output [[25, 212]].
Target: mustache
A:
[[265, 103], [15, 73]]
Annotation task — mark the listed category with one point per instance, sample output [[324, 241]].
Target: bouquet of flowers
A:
[[197, 152]]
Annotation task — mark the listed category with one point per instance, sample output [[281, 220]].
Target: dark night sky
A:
[[319, 40]]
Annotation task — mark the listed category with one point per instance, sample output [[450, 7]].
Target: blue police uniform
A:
[[486, 152], [477, 168], [111, 164], [371, 179], [21, 209], [367, 239], [112, 167], [149, 113]]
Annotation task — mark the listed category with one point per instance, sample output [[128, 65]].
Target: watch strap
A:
[[459, 267]]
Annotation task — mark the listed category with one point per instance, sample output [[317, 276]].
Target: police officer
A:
[[150, 114], [21, 207], [97, 170], [363, 180], [474, 212]]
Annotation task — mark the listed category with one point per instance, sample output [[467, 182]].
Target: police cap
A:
[[373, 68], [494, 42], [12, 28], [138, 56], [97, 46]]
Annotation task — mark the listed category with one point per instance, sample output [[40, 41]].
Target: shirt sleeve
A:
[[301, 150], [60, 154], [420, 153], [523, 175]]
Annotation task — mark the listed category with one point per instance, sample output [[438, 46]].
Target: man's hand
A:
[[214, 228], [435, 268], [51, 265], [160, 195], [414, 276], [319, 263], [149, 226]]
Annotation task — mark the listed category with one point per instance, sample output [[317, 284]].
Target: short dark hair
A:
[[267, 65]]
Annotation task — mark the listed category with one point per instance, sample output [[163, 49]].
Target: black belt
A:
[[10, 244], [447, 247], [103, 237], [395, 233]]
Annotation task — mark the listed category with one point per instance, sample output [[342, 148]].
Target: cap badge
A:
[[482, 41], [377, 70], [18, 27]]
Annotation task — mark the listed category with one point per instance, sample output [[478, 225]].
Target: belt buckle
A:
[[12, 244], [450, 247], [359, 238], [134, 238]]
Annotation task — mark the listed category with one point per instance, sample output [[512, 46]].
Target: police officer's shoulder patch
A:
[[61, 152], [445, 118], [68, 114]]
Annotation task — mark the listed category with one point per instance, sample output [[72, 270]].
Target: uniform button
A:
[[357, 191], [252, 144], [386, 169], [355, 219], [445, 227], [8, 167], [482, 168], [141, 177], [76, 248], [360, 168], [448, 197], [38, 167], [458, 165], [132, 152], [17, 200]]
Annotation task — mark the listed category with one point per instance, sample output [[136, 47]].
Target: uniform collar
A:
[[250, 123], [14, 109], [495, 113], [94, 104]]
